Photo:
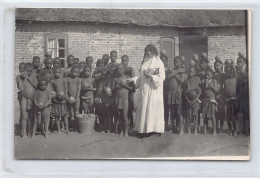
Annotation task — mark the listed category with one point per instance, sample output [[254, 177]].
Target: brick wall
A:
[[86, 39], [227, 47], [92, 39]]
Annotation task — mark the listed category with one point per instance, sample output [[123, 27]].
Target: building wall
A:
[[89, 39]]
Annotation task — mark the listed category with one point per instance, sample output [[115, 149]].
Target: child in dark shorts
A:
[[59, 106], [209, 103], [100, 106], [121, 90], [192, 92]]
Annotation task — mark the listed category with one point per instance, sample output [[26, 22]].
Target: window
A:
[[167, 44], [56, 45]]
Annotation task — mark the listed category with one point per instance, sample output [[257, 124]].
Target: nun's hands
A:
[[129, 80], [147, 74]]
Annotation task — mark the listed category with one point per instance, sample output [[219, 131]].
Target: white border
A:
[[121, 168]]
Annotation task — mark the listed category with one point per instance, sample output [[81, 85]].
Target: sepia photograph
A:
[[156, 84]]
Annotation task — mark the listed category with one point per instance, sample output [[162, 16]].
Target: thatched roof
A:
[[142, 17]]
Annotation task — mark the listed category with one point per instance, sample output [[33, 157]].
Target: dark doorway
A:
[[191, 44]]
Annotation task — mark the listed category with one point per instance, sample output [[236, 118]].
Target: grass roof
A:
[[142, 17]]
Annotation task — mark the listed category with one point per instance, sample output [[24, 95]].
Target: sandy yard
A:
[[107, 145]]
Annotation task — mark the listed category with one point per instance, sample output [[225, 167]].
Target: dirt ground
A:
[[105, 145]]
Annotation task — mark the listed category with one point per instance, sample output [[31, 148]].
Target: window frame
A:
[[57, 36], [172, 40]]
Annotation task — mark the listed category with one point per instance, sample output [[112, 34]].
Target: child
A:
[[59, 107], [164, 59], [113, 57], [76, 60], [36, 65], [19, 81], [73, 94], [87, 89], [56, 62], [109, 100], [175, 93], [129, 72], [27, 88], [230, 93], [42, 100], [121, 99], [48, 76], [70, 61], [99, 99], [97, 72], [105, 58], [89, 61], [82, 65], [243, 91], [48, 66], [192, 92], [210, 89], [220, 113]]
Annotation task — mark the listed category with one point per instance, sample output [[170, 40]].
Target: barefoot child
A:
[[59, 106], [121, 99], [129, 73], [209, 105], [27, 88], [164, 59], [220, 113], [243, 91], [87, 89], [192, 92], [73, 94], [176, 80], [19, 81], [230, 93], [109, 100], [42, 100], [100, 106]]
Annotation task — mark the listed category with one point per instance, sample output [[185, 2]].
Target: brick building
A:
[[93, 32]]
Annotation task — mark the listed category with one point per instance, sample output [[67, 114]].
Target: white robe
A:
[[150, 109]]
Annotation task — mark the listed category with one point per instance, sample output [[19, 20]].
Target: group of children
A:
[[54, 94], [196, 92], [193, 92]]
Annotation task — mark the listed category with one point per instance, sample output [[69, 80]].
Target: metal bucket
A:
[[86, 123]]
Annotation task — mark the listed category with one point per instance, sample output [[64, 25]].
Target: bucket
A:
[[86, 123]]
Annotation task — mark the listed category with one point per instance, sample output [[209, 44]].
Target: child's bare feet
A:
[[205, 131], [126, 134], [235, 133], [67, 131], [189, 131], [195, 131]]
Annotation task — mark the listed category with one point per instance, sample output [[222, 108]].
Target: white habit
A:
[[150, 109]]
